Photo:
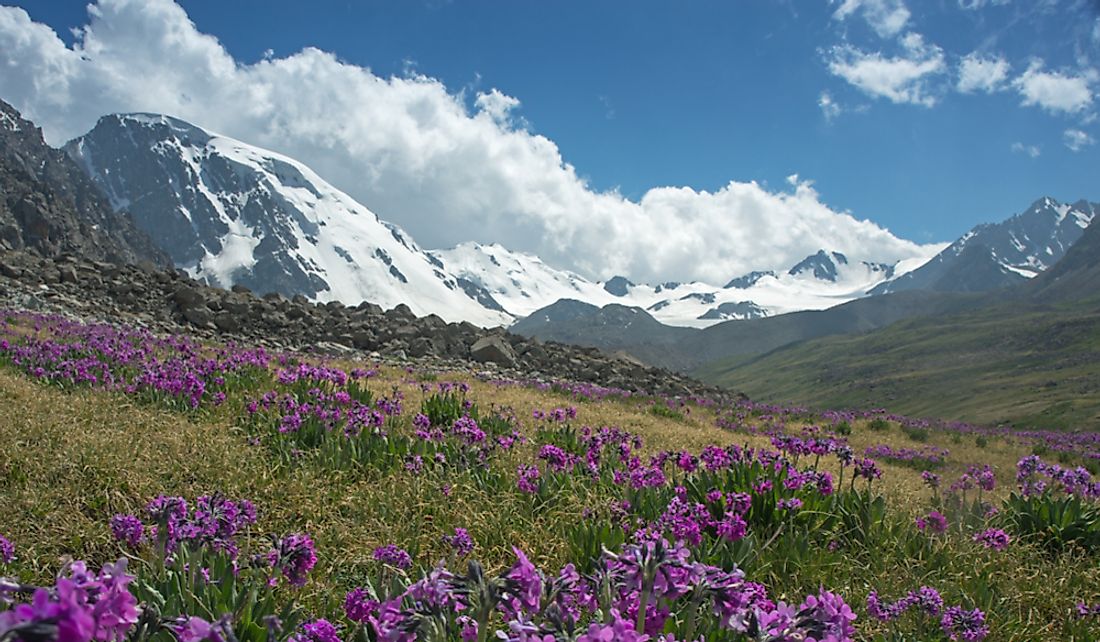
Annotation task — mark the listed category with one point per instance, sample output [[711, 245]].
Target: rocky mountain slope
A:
[[996, 255], [48, 205], [171, 301], [230, 214]]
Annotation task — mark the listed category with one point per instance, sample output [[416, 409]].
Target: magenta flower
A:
[[359, 606], [934, 522], [959, 624], [461, 542], [319, 630], [993, 538], [392, 555], [196, 629], [127, 529], [294, 555], [527, 478], [524, 582], [7, 550]]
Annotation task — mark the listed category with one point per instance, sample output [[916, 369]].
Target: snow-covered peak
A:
[[232, 213], [522, 283], [1014, 250]]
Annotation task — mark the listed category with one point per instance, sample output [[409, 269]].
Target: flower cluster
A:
[[214, 521], [81, 606], [993, 538]]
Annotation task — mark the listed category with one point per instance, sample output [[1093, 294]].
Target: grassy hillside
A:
[[1034, 367], [97, 423]]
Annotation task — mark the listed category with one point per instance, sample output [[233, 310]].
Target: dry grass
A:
[[74, 458]]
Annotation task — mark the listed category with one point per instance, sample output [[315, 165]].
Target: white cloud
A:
[[978, 73], [1031, 150], [1055, 91], [829, 107], [972, 5], [1077, 140], [886, 17], [901, 79], [496, 105], [414, 152]]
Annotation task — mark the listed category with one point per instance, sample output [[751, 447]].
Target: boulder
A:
[[493, 349]]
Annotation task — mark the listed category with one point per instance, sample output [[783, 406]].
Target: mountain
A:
[[823, 290], [48, 205], [996, 255], [523, 285], [609, 328], [229, 213], [1027, 355]]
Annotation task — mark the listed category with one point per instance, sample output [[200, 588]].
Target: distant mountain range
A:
[[987, 258], [1028, 355]]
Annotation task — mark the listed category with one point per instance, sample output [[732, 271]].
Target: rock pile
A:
[[171, 302]]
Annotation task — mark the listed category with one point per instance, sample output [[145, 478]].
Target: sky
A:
[[661, 140]]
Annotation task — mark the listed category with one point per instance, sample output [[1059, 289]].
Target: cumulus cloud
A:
[[1076, 140], [1054, 91], [900, 79], [886, 17], [979, 73], [414, 151], [1031, 150]]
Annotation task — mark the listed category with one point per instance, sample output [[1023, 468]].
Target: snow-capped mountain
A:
[[999, 254], [231, 213], [522, 283]]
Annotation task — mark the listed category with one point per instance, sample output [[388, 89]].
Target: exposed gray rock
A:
[[493, 349]]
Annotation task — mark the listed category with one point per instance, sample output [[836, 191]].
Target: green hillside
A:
[[1037, 366]]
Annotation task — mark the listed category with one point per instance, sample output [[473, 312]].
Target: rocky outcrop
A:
[[48, 205], [170, 301]]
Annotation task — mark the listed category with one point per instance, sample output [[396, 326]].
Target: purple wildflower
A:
[[7, 550], [127, 529], [392, 555], [359, 605], [294, 555], [960, 624], [994, 538], [461, 542]]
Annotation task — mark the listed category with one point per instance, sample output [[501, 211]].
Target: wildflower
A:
[[294, 555], [127, 529], [359, 605], [319, 630], [960, 624], [196, 629], [791, 504], [732, 528], [994, 538], [392, 555], [833, 617], [524, 582], [7, 550], [528, 477], [461, 542], [618, 630], [934, 522], [932, 480]]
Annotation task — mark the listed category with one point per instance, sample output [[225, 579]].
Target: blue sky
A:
[[699, 94]]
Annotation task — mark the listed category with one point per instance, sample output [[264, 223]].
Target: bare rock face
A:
[[49, 206], [493, 349]]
